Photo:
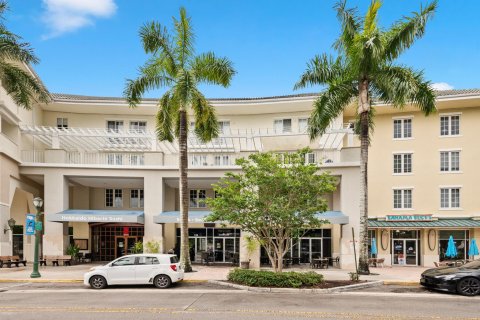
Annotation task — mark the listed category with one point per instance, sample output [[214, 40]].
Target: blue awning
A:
[[105, 216], [174, 216], [334, 217]]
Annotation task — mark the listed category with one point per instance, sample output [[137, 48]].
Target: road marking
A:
[[256, 313]]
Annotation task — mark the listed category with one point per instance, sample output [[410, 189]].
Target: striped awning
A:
[[440, 223]]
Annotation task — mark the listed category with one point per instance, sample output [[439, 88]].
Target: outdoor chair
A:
[[380, 262]]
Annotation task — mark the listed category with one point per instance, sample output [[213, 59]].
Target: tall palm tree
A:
[[20, 85], [174, 66], [365, 70]]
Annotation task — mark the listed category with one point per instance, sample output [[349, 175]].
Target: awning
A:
[[97, 216], [174, 217], [334, 217], [440, 223]]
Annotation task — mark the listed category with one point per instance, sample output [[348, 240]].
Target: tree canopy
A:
[[274, 200]]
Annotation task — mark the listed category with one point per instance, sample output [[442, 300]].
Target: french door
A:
[[310, 248], [224, 249], [405, 252]]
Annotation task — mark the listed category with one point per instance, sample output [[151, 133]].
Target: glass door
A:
[[398, 252], [120, 246], [219, 249], [411, 252], [310, 248], [229, 253], [405, 252]]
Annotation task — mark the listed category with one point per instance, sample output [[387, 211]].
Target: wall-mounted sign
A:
[[126, 231], [38, 226], [409, 217], [30, 224]]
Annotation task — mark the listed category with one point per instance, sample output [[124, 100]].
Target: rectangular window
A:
[[450, 125], [198, 160], [402, 198], [303, 125], [402, 128], [136, 198], [222, 160], [310, 158], [449, 198], [137, 159], [62, 123], [115, 159], [402, 163], [138, 126], [224, 127], [113, 198], [114, 126], [197, 198], [282, 126], [449, 161]]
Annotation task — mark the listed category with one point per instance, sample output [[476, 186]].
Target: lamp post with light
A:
[[38, 203]]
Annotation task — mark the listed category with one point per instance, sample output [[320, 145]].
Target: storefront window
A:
[[461, 239], [17, 240]]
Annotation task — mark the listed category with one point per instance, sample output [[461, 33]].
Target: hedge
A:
[[291, 279]]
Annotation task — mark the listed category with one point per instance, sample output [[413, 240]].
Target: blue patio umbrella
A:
[[451, 248], [374, 247], [473, 249]]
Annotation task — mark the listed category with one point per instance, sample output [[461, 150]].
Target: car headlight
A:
[[447, 277]]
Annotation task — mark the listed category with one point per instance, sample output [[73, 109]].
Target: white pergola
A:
[[107, 140]]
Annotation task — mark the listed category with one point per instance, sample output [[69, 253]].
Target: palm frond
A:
[[151, 76], [206, 124], [184, 37], [21, 86], [211, 69], [400, 85], [155, 38], [12, 49], [403, 33], [320, 70], [350, 25], [165, 117], [3, 7], [329, 105], [370, 24], [184, 87]]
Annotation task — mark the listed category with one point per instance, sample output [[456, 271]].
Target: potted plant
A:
[[73, 250], [250, 245]]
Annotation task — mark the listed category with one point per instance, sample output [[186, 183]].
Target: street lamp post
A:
[[38, 203]]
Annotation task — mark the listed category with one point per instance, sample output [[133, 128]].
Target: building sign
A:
[[39, 226], [126, 231], [30, 224], [90, 218], [415, 217]]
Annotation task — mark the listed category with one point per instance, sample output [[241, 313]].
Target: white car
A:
[[159, 269]]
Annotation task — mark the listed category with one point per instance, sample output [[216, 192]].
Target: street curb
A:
[[400, 283], [369, 284], [69, 281]]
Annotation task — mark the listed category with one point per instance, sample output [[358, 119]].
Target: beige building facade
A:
[[107, 182]]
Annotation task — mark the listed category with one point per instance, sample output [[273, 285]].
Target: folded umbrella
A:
[[473, 249], [374, 247], [451, 248]]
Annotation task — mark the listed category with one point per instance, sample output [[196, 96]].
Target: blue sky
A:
[[91, 46]]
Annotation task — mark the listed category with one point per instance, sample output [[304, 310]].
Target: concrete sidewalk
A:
[[396, 275]]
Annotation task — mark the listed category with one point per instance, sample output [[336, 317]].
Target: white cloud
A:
[[441, 86], [62, 16]]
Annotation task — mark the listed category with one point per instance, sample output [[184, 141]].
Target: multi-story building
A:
[[107, 182], [423, 179]]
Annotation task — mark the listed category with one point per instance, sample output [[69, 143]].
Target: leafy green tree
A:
[[365, 70], [273, 201], [20, 85], [173, 66]]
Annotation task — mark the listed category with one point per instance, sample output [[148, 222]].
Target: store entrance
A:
[[405, 245], [124, 245]]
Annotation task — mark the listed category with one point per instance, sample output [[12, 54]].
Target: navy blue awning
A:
[[105, 216]]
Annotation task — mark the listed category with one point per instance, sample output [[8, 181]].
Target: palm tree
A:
[[20, 85], [174, 66], [365, 70]]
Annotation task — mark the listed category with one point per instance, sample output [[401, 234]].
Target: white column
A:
[[349, 204], [55, 239], [153, 205], [252, 257]]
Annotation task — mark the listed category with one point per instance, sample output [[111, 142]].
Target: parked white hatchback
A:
[[159, 269]]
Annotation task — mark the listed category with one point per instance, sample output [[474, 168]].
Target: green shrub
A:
[[255, 278]]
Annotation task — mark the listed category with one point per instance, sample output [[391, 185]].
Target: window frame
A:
[[403, 130], [450, 199], [403, 193], [199, 201], [403, 155], [449, 161], [140, 198], [275, 121], [114, 196], [62, 125], [449, 117]]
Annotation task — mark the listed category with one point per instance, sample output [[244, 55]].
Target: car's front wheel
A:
[[162, 281], [98, 282], [468, 286]]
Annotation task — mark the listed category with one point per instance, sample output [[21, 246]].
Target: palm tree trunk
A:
[[364, 110], [183, 167]]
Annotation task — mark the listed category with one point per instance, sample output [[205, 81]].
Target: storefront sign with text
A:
[[416, 217]]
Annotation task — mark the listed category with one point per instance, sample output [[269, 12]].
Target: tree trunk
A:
[[364, 110], [183, 189]]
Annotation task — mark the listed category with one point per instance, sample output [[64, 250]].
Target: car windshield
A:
[[472, 265]]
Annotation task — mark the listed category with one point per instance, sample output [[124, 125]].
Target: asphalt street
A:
[[205, 301]]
